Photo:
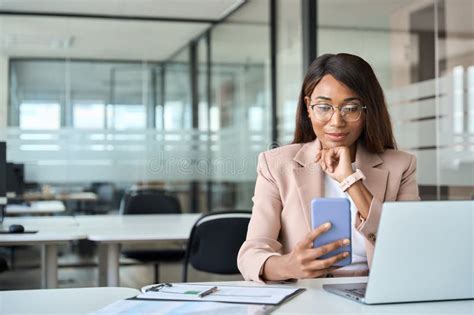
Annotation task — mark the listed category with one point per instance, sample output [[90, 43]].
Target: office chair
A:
[[3, 264], [215, 241], [152, 202], [106, 193]]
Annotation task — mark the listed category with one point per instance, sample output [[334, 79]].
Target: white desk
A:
[[61, 301], [315, 300], [51, 232], [110, 231], [36, 207]]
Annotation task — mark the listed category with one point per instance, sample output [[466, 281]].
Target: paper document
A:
[[136, 307], [223, 293]]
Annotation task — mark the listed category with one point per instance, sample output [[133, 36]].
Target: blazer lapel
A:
[[309, 177], [376, 179]]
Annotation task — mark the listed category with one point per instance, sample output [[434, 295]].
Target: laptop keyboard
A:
[[359, 292]]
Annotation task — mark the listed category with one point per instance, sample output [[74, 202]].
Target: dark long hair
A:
[[356, 74]]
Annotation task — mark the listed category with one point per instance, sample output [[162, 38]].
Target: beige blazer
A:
[[288, 179]]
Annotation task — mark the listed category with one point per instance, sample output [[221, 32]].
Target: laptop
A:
[[424, 252]]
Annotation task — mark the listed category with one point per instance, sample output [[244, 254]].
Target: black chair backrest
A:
[[105, 191], [215, 241], [150, 202]]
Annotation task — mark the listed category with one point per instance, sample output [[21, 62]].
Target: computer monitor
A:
[[15, 179], [3, 180]]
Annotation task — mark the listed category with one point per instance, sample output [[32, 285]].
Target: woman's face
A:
[[336, 131]]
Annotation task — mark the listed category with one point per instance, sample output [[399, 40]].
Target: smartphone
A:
[[337, 211]]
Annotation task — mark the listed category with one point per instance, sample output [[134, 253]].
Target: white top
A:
[[359, 253]]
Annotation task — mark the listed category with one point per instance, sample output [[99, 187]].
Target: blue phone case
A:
[[338, 212]]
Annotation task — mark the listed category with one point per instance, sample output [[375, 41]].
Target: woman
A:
[[343, 133]]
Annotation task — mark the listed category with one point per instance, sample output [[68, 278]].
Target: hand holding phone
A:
[[304, 261], [323, 249]]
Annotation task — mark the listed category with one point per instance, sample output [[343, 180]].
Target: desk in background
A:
[[111, 231], [52, 231], [36, 207], [77, 196]]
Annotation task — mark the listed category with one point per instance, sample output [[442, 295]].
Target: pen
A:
[[207, 292]]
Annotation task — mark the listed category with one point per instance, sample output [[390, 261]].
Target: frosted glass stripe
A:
[[470, 99], [416, 91]]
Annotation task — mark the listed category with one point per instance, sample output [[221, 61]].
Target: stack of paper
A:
[[182, 298]]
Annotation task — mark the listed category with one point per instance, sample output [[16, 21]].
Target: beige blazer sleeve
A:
[[261, 240]]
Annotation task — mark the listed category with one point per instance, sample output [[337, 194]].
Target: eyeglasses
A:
[[349, 112]]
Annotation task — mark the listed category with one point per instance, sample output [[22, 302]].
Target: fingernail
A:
[[346, 242], [327, 225], [345, 254]]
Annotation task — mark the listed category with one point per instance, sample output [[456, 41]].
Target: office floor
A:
[[80, 270]]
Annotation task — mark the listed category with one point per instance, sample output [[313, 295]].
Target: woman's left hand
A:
[[336, 162]]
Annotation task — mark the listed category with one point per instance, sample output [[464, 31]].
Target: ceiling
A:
[[94, 38], [52, 33], [62, 30], [181, 9]]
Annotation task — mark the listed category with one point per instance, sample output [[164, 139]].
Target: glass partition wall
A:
[[240, 108], [290, 70], [191, 122]]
